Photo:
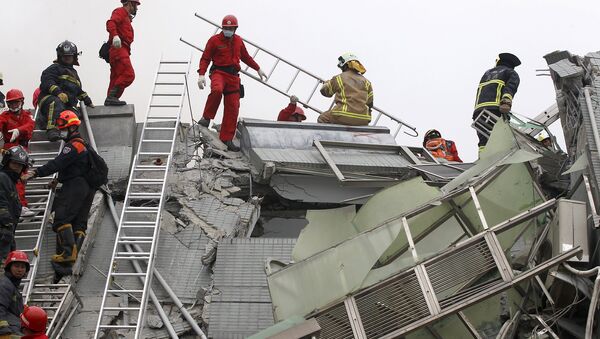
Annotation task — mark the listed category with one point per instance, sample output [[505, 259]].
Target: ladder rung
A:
[[132, 258], [135, 238], [166, 95], [162, 117], [148, 180], [169, 62], [160, 128], [121, 274], [169, 83], [163, 106], [145, 226], [130, 327], [132, 254], [26, 236], [154, 153], [167, 72], [157, 140], [130, 242], [37, 154], [121, 308], [27, 231]]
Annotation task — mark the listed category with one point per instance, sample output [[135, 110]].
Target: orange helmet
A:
[[16, 256], [299, 111], [229, 21], [14, 94], [34, 318], [67, 118]]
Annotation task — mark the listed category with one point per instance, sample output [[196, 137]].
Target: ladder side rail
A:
[[150, 265], [119, 229]]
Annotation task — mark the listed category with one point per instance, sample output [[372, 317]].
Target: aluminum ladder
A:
[[300, 71], [144, 199], [30, 231]]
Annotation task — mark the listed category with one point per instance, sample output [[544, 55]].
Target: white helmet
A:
[[346, 58]]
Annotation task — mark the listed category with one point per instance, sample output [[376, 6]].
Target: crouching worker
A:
[[292, 112], [60, 89], [73, 201], [16, 126], [353, 100], [439, 147], [16, 267], [14, 163], [33, 323]]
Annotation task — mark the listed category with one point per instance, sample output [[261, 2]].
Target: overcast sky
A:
[[424, 58]]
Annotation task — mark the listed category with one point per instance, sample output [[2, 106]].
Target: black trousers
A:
[[7, 241], [72, 204]]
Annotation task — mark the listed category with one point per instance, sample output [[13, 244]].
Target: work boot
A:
[[26, 212], [204, 122], [79, 238], [67, 242], [112, 100], [231, 146]]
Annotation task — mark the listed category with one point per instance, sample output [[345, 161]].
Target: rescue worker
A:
[[353, 94], [33, 323], [16, 267], [120, 35], [2, 105], [292, 112], [496, 90], [225, 50], [60, 89], [73, 201], [16, 125], [14, 163], [544, 139], [35, 98], [440, 147]]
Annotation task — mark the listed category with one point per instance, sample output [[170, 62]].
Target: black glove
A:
[[88, 102], [53, 134]]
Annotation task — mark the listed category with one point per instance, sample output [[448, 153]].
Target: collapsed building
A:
[[328, 231]]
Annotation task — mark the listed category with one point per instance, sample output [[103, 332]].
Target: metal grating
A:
[[461, 268], [393, 306], [335, 323]]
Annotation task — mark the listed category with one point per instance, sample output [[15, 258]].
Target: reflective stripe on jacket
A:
[[497, 83], [353, 98]]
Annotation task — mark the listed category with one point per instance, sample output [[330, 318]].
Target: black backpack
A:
[[97, 173], [103, 52]]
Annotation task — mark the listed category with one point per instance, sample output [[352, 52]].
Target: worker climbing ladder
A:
[[30, 231], [139, 224], [298, 71]]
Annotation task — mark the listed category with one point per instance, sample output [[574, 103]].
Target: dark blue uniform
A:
[[10, 211]]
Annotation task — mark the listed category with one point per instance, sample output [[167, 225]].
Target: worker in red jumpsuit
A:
[[33, 323], [440, 147], [16, 126], [225, 50], [120, 35], [292, 112]]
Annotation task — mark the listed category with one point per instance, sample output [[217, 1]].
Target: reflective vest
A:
[[441, 148]]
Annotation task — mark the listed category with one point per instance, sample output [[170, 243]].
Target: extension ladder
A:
[[30, 230], [297, 72], [139, 224]]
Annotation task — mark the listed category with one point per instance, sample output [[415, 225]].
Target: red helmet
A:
[[229, 21], [34, 318], [67, 118], [300, 112], [14, 94], [16, 256]]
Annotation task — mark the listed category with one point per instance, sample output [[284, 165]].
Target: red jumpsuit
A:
[[24, 123], [225, 55], [287, 114], [121, 70], [35, 336]]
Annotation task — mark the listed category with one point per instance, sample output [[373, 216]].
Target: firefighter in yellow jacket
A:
[[353, 94]]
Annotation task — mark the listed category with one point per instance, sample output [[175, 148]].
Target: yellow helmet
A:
[[542, 136]]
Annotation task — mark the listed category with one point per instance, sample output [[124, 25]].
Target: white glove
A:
[[116, 42], [262, 75], [15, 134], [293, 99], [201, 81]]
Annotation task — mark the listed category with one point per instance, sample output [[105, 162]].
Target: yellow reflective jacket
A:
[[353, 98]]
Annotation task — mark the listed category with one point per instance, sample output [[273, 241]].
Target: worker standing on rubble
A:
[[16, 125], [225, 50], [74, 200], [496, 90], [292, 112], [33, 323], [353, 94], [16, 267], [120, 36], [60, 89], [439, 147], [14, 163]]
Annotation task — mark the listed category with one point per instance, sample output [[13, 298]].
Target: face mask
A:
[[227, 33], [64, 134], [16, 109]]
